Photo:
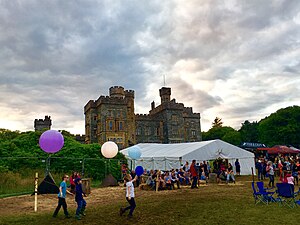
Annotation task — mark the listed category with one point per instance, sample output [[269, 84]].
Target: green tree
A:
[[249, 132], [216, 133], [233, 137], [217, 122], [281, 127]]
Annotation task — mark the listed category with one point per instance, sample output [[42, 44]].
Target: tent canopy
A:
[[201, 151], [280, 149]]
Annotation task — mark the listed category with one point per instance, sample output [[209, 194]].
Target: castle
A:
[[112, 118], [40, 124]]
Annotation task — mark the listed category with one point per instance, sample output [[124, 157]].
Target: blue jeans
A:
[[80, 204], [131, 206], [194, 183], [271, 182], [230, 175], [260, 175]]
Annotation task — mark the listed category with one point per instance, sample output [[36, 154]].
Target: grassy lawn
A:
[[212, 204]]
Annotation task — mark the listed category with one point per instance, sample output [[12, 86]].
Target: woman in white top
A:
[[129, 195], [270, 171]]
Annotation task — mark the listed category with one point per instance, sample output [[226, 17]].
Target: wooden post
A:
[[35, 191], [157, 181]]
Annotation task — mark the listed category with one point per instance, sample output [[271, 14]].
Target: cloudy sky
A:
[[237, 60]]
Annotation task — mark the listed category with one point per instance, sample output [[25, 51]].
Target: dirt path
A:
[[47, 203]]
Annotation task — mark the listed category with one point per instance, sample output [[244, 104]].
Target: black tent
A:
[[48, 186], [109, 181]]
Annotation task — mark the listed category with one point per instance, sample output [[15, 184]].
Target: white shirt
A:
[[131, 194]]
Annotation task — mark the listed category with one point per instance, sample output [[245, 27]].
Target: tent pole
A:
[[35, 191]]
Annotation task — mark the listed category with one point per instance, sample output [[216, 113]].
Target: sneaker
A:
[[129, 216], [121, 211], [83, 214], [54, 216], [78, 217], [67, 216]]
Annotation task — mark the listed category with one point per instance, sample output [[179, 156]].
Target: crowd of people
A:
[[189, 174], [287, 169]]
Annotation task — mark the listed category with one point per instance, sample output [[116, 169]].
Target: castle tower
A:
[[40, 124], [165, 94], [116, 92]]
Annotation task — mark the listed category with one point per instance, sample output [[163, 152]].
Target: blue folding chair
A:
[[286, 195], [258, 197], [267, 195]]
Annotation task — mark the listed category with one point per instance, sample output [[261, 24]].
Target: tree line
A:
[[280, 128], [16, 144]]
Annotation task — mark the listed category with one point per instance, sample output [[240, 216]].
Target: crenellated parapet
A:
[[116, 92], [42, 124], [129, 93], [143, 117]]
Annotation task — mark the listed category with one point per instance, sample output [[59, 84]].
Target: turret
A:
[[165, 94], [116, 92]]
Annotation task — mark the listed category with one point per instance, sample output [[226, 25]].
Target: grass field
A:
[[212, 204]]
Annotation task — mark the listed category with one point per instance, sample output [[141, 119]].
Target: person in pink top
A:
[[290, 179]]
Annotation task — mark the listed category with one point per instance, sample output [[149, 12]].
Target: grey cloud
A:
[[57, 55]]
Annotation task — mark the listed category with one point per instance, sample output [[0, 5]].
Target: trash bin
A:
[[86, 185]]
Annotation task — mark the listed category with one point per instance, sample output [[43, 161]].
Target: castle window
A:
[[193, 133], [95, 117], [110, 113], [119, 113], [157, 131], [139, 131], [147, 131], [110, 125], [120, 125]]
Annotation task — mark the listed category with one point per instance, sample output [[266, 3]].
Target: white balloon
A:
[[109, 149]]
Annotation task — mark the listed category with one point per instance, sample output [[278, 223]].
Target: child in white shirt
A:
[[129, 195]]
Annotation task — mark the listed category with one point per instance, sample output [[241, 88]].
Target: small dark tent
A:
[[48, 186], [109, 181]]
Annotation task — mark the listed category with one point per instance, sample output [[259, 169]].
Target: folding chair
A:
[[258, 197], [267, 195], [286, 194]]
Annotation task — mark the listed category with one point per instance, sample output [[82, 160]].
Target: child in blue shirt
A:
[[62, 197]]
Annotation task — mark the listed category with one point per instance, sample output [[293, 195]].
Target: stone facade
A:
[[42, 124], [112, 118], [169, 122]]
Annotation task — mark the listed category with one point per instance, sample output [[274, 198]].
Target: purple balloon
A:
[[139, 170], [51, 141]]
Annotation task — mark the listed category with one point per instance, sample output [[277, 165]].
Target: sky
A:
[[236, 60]]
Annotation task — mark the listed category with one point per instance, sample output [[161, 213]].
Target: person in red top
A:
[[194, 174], [72, 181]]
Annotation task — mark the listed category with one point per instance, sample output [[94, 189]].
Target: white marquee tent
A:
[[167, 156]]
